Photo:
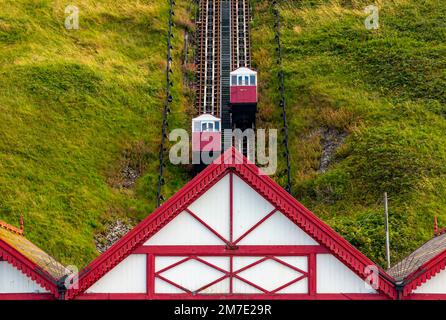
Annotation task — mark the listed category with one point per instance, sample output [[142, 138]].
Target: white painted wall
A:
[[191, 274], [249, 207], [129, 276], [334, 277], [14, 281], [213, 207], [184, 230], [436, 284], [194, 275], [278, 230], [271, 275]]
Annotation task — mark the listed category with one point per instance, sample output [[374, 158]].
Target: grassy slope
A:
[[77, 106], [386, 89]]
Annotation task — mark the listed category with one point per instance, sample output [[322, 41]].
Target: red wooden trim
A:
[[250, 283], [149, 226], [351, 296], [249, 266], [224, 251], [260, 296], [173, 265], [302, 217], [28, 268], [231, 274], [427, 271], [26, 296], [236, 273], [425, 296], [233, 161], [231, 208], [289, 266], [11, 228], [255, 226], [288, 284], [211, 265], [359, 296], [231, 279], [133, 296], [212, 283], [113, 296], [312, 274], [172, 283], [150, 275]]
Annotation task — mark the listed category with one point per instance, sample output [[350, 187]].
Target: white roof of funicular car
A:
[[206, 117], [243, 71]]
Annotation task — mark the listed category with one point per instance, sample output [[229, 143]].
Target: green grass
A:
[[386, 89], [75, 107]]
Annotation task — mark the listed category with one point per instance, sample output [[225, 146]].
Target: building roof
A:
[[418, 258], [422, 264], [29, 259], [232, 161], [243, 71], [206, 117]]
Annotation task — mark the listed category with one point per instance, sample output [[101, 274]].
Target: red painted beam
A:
[[224, 251], [131, 296]]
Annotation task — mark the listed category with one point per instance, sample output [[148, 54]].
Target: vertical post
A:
[[435, 226], [312, 276], [186, 47], [22, 228], [386, 210], [150, 276], [231, 212]]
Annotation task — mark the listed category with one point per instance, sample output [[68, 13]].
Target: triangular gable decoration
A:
[[232, 232]]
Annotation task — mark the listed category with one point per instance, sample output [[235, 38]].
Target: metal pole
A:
[[386, 209]]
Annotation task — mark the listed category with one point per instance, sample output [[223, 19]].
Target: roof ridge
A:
[[11, 228]]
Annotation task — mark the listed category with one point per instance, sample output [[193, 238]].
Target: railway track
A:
[[224, 45]]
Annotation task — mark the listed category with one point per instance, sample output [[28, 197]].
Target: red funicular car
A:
[[206, 133], [243, 86]]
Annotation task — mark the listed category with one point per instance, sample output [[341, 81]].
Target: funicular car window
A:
[[253, 80], [207, 126]]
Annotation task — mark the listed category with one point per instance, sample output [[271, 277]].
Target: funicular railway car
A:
[[206, 138], [243, 101], [243, 97], [243, 87]]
